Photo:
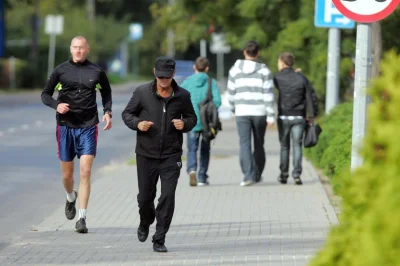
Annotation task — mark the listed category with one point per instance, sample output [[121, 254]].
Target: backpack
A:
[[209, 116]]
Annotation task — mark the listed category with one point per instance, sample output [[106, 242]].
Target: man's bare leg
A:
[[85, 168], [67, 170], [86, 162]]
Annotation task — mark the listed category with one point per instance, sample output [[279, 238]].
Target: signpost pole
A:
[[219, 47], [54, 26], [328, 16], [203, 48], [124, 58], [136, 34], [220, 67], [332, 81], [135, 64], [362, 76], [52, 53]]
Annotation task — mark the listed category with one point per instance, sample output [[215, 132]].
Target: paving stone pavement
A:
[[222, 224]]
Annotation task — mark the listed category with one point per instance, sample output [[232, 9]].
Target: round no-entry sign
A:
[[366, 11]]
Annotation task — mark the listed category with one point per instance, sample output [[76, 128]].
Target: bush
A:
[[24, 74], [333, 151], [336, 158], [369, 229]]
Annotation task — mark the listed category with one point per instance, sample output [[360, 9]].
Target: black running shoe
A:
[[80, 226], [282, 179], [297, 181], [143, 232], [157, 247], [70, 210]]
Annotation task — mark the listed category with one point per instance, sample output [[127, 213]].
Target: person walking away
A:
[[197, 85], [296, 99], [252, 102], [160, 112], [77, 81]]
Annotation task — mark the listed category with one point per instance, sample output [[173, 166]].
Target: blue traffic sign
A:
[[327, 16]]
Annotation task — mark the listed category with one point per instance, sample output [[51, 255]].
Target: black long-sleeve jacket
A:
[[77, 84], [297, 97], [162, 139]]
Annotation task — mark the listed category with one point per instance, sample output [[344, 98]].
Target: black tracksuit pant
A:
[[149, 170]]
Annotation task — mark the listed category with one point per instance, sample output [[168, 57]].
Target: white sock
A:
[[82, 213], [71, 196]]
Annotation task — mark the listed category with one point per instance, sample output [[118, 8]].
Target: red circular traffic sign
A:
[[366, 11]]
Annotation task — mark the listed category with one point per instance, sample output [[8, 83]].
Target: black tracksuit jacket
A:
[[297, 97], [162, 139], [77, 84]]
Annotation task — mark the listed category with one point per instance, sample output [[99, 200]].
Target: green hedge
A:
[[24, 74], [369, 229], [333, 151]]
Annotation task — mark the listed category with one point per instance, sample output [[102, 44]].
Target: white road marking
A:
[[12, 130], [39, 123], [1, 134], [25, 127]]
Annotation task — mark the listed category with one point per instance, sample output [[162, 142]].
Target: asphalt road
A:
[[30, 180]]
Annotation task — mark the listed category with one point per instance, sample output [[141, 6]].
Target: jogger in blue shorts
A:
[[77, 82]]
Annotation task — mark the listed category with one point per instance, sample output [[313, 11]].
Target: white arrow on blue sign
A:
[[327, 16]]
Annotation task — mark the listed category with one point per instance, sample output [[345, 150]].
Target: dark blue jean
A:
[[291, 129], [252, 163], [193, 140]]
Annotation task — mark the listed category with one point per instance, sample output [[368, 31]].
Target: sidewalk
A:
[[223, 224]]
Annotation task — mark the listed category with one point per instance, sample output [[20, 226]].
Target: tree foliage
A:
[[369, 231], [105, 32], [278, 25]]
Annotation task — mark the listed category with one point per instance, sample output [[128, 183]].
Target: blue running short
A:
[[76, 142]]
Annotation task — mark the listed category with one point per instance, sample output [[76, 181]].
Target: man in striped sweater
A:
[[251, 98]]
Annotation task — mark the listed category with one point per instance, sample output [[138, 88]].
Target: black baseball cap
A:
[[165, 66]]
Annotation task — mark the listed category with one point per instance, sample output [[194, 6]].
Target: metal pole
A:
[[361, 79], [332, 81], [124, 58], [91, 15], [203, 48], [220, 67], [52, 52], [91, 10], [12, 72], [171, 36], [135, 61]]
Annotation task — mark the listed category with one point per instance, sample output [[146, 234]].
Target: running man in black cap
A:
[[160, 112]]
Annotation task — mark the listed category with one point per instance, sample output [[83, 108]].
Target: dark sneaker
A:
[[193, 179], [282, 180], [297, 181], [142, 232], [159, 247], [80, 226], [259, 179], [70, 210]]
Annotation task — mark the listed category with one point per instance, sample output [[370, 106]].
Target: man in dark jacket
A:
[[77, 81], [160, 112], [297, 104]]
